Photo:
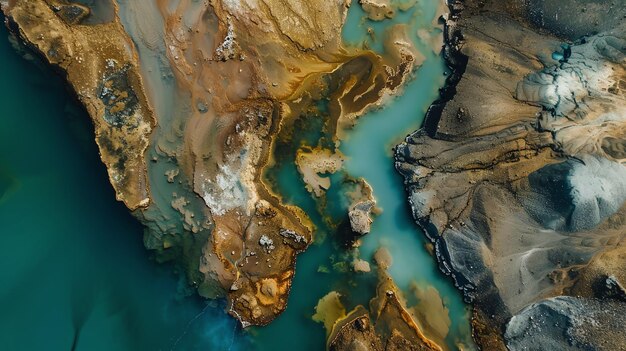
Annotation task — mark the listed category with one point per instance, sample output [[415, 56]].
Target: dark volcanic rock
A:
[[575, 18], [518, 174]]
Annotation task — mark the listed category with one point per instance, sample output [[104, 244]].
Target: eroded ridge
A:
[[519, 176], [101, 65]]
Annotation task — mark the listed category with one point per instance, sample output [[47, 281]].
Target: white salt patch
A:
[[598, 191], [225, 192]]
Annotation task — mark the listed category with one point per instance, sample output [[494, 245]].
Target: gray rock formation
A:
[[575, 18], [568, 323], [575, 195], [518, 175], [359, 214]]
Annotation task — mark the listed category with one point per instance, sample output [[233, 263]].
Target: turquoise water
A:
[[315, 276], [369, 152], [368, 147], [355, 33], [75, 274]]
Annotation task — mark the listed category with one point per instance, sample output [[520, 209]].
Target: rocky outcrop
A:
[[360, 220], [362, 209], [517, 176], [378, 10], [568, 323]]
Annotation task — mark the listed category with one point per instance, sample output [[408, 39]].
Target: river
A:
[[368, 148]]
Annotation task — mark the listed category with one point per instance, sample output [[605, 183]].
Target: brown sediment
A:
[[389, 308], [329, 310], [361, 266], [101, 65], [604, 276], [383, 258], [431, 313], [314, 163], [387, 325], [486, 332]]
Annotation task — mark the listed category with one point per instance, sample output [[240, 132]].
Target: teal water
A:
[[369, 152], [324, 267], [355, 33], [74, 272]]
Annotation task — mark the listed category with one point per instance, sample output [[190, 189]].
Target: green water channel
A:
[[371, 143], [74, 272]]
